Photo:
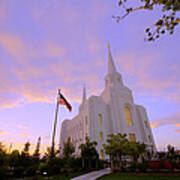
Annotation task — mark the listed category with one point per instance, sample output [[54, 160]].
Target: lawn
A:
[[139, 177], [58, 177]]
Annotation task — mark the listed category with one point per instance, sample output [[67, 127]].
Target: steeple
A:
[[84, 94], [111, 66], [82, 106], [113, 77]]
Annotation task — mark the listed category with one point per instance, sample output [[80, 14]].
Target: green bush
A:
[[3, 172], [142, 167], [133, 167], [19, 171], [52, 166], [31, 171]]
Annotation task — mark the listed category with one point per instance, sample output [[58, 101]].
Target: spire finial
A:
[[84, 93], [108, 46], [111, 66]]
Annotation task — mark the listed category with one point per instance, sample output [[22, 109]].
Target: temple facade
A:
[[114, 111]]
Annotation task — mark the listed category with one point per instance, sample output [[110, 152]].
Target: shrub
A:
[[52, 166], [168, 165], [3, 172], [133, 167], [155, 165], [142, 167], [31, 171], [19, 171], [174, 165]]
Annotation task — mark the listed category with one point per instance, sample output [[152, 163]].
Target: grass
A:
[[139, 177], [59, 177]]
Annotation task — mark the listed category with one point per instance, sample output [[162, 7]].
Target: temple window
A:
[[101, 136], [100, 119], [149, 137], [128, 116], [86, 119], [102, 154], [132, 138], [146, 123]]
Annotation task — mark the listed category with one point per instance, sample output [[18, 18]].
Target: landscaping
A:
[[140, 177], [53, 164], [127, 160]]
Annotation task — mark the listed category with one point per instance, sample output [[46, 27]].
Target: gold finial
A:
[[108, 46]]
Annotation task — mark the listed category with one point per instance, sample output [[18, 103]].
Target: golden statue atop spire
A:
[[111, 66], [108, 46]]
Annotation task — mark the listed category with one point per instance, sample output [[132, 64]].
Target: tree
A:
[[116, 147], [69, 149], [49, 153], [168, 21], [136, 149], [14, 159], [89, 153], [2, 154], [25, 151], [119, 146], [36, 153], [3, 161], [25, 160], [2, 147], [171, 151]]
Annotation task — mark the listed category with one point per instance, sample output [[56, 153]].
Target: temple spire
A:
[[84, 93], [111, 66]]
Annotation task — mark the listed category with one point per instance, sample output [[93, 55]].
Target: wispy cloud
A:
[[22, 127], [47, 137], [24, 134], [173, 119], [4, 132], [13, 45], [54, 50], [177, 130]]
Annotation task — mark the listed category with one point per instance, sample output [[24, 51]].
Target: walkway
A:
[[93, 175]]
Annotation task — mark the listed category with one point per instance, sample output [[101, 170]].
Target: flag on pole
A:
[[63, 101]]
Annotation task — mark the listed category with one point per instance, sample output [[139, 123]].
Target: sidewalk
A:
[[93, 175]]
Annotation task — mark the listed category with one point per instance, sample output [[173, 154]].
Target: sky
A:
[[51, 44]]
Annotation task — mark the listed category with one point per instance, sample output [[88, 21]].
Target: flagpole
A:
[[55, 124]]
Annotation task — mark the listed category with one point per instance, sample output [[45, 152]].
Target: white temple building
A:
[[114, 111]]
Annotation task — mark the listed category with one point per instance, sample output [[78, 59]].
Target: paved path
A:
[[93, 175]]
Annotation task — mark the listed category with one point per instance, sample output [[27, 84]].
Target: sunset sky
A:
[[51, 44]]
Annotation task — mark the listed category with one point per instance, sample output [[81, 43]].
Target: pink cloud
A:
[[22, 127], [12, 44], [177, 130], [25, 134], [4, 132], [54, 50], [173, 119]]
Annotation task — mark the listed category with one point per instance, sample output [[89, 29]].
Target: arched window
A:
[[101, 136], [128, 116], [132, 138], [149, 137], [86, 119], [101, 154], [100, 119], [146, 123]]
